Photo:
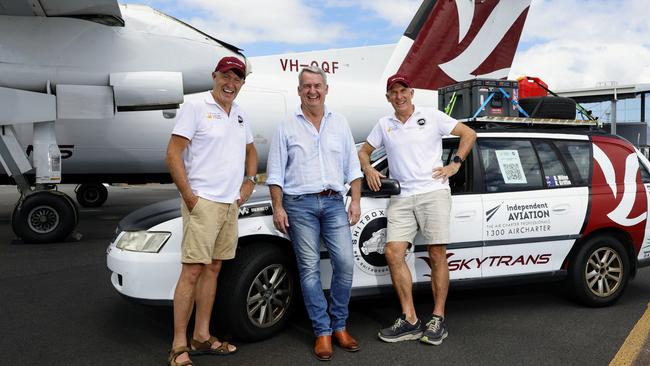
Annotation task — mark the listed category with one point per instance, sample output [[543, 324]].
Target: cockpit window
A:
[[150, 20]]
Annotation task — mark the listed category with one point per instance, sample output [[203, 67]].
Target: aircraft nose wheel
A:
[[91, 195], [44, 217]]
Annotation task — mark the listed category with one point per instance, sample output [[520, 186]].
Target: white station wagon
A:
[[545, 203]]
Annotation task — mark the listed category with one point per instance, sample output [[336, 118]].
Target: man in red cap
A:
[[412, 138], [211, 135]]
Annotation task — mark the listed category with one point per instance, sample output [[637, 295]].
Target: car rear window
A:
[[577, 156], [555, 174]]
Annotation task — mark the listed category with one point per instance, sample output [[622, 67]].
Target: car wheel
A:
[[549, 107], [44, 217], [256, 292], [600, 271], [91, 195]]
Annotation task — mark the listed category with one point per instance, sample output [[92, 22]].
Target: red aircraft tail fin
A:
[[454, 40]]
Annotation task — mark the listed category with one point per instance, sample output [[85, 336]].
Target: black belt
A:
[[327, 192]]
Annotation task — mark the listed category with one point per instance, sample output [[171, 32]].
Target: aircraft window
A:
[[577, 156], [149, 21], [509, 165], [555, 174]]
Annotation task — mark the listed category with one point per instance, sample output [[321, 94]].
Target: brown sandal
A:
[[205, 347], [175, 352]]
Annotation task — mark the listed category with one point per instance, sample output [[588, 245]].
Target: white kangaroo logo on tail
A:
[[620, 214], [490, 35]]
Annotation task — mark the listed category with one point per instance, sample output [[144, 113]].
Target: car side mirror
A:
[[389, 187]]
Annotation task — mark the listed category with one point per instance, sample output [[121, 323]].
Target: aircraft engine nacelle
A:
[[147, 90], [127, 91]]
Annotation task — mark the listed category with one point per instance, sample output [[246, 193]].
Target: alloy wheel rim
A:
[[604, 272], [269, 296], [43, 219]]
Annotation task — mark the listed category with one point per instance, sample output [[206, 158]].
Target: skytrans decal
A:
[[517, 219], [493, 261], [66, 150]]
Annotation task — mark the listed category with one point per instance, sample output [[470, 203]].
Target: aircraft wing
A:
[[101, 11]]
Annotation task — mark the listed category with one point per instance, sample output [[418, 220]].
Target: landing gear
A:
[[44, 217], [91, 195], [41, 215]]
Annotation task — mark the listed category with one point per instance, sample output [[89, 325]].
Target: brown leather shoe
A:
[[323, 348], [345, 341]]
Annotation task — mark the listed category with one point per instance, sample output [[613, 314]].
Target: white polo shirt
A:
[[214, 158], [414, 148]]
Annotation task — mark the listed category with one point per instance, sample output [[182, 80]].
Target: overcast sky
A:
[[568, 43]]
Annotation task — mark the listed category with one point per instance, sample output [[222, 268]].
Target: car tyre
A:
[[600, 271], [256, 292], [44, 217], [91, 195], [549, 107]]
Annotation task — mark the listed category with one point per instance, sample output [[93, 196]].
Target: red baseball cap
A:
[[398, 78], [232, 63]]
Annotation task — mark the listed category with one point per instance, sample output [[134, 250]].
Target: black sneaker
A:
[[402, 330], [435, 332]]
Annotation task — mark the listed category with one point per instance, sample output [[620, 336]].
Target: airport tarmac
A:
[[58, 307]]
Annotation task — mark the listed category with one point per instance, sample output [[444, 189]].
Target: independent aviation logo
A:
[[489, 213]]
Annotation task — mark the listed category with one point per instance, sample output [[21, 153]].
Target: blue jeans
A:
[[312, 218]]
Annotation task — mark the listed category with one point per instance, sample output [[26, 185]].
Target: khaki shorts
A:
[[428, 212], [209, 231]]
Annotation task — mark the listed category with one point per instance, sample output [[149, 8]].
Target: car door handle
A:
[[464, 215], [560, 209]]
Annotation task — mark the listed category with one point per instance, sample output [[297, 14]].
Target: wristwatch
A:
[[457, 159], [252, 178]]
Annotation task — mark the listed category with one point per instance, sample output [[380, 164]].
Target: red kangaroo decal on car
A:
[[618, 197]]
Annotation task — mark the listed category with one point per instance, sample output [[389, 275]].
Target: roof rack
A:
[[495, 121]]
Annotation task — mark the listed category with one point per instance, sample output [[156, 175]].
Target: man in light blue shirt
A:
[[311, 158]]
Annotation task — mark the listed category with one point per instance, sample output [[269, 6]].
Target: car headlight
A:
[[143, 241]]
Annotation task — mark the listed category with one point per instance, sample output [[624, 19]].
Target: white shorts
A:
[[428, 212]]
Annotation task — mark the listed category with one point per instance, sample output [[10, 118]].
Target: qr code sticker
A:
[[510, 166], [512, 172]]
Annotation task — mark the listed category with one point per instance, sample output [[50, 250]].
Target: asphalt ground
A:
[[57, 307]]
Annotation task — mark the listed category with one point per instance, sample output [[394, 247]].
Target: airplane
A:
[[446, 42]]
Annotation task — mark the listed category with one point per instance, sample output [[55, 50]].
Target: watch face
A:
[[457, 159]]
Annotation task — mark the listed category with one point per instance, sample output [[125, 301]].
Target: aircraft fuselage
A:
[[66, 50]]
